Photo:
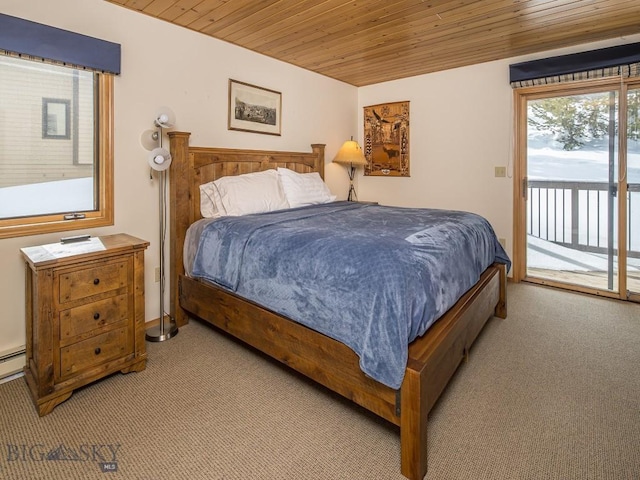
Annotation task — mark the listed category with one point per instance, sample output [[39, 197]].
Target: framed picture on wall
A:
[[386, 139], [254, 109]]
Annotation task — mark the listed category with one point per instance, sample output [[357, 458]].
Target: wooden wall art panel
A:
[[386, 139]]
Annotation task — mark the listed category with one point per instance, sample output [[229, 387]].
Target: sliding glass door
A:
[[578, 184], [572, 164]]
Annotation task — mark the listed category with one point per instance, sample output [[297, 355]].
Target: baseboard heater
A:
[[12, 361]]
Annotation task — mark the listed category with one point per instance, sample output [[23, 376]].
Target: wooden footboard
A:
[[433, 358]]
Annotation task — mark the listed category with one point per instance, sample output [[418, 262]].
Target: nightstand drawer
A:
[[79, 320], [92, 281], [94, 351]]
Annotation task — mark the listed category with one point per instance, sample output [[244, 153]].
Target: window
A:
[[56, 159]]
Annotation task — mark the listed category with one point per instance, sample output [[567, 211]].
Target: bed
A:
[[432, 358]]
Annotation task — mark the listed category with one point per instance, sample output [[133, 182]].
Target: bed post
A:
[[413, 425], [318, 149], [501, 307], [179, 218]]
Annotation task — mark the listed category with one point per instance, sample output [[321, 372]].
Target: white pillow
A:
[[242, 194], [208, 208], [304, 188]]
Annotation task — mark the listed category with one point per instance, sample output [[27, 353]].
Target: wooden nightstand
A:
[[84, 314]]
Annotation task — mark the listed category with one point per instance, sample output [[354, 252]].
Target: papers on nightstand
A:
[[61, 250]]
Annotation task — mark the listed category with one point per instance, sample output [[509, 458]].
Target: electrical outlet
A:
[[157, 274], [500, 171]]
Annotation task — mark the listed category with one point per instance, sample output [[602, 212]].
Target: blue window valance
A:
[[621, 60], [23, 37]]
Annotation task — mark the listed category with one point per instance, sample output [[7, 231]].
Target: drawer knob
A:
[[96, 316], [96, 281], [97, 351]]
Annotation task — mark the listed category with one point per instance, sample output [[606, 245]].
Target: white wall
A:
[[189, 72], [460, 125], [461, 128]]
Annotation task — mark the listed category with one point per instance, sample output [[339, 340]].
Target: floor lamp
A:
[[160, 161]]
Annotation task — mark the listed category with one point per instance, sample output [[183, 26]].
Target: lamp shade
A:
[[149, 139], [159, 159], [165, 118], [350, 154]]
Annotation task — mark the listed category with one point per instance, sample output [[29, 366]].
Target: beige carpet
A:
[[552, 392]]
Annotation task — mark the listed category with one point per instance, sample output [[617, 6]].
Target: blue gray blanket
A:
[[370, 276]]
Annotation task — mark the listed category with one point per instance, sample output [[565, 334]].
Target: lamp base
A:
[[352, 197], [159, 334]]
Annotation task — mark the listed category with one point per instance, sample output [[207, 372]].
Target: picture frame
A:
[[386, 139], [56, 119], [254, 109]]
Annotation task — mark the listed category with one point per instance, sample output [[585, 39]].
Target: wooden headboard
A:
[[193, 166]]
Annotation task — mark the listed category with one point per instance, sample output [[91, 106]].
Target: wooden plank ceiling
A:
[[363, 42]]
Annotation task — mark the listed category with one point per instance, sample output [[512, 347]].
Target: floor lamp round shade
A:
[[165, 118], [149, 139], [159, 159]]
